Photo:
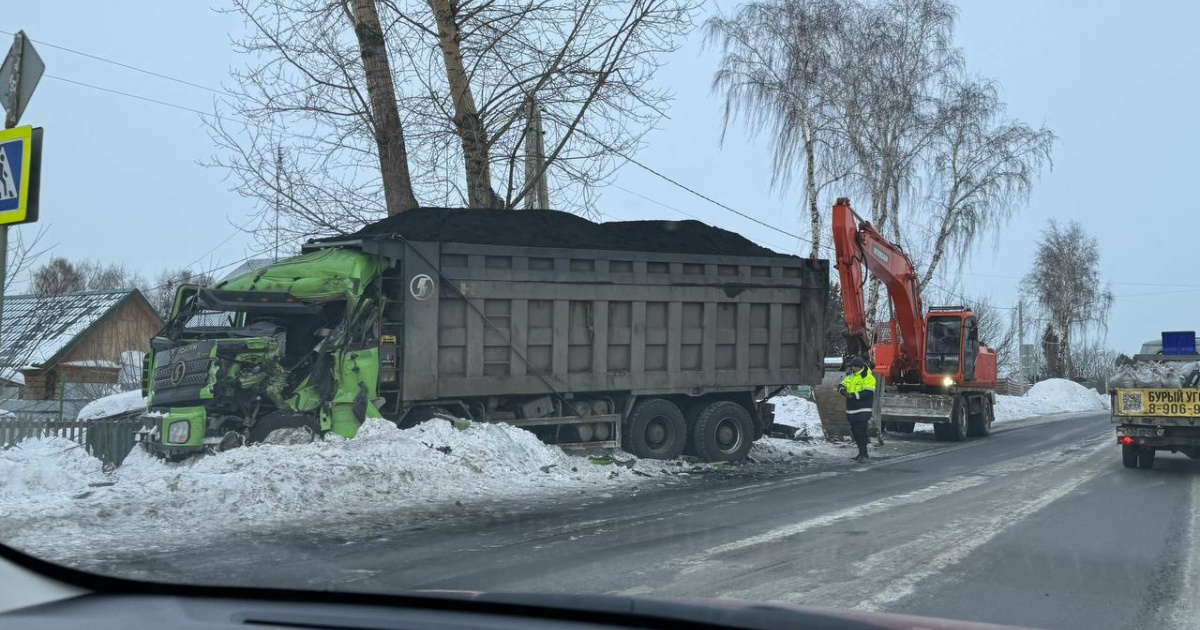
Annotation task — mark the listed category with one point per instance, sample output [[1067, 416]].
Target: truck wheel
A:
[[723, 432], [656, 430], [905, 427], [980, 424], [1129, 456], [1145, 458], [275, 421], [956, 429]]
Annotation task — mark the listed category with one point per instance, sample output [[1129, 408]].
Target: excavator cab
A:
[[953, 352], [951, 345]]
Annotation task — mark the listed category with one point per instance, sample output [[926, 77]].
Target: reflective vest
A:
[[861, 389]]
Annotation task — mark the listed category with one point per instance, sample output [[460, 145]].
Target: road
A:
[[1038, 525]]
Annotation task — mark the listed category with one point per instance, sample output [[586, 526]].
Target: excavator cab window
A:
[[943, 344], [970, 349]]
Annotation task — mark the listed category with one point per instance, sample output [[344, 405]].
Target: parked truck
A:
[[661, 337], [1156, 400]]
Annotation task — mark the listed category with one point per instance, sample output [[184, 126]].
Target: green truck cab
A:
[[291, 345]]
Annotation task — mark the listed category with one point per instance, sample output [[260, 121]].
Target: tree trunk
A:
[[810, 185], [895, 211], [467, 122], [389, 135]]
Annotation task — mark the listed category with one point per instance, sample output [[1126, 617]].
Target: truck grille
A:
[[195, 374]]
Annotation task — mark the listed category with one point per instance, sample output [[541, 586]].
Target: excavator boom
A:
[[858, 244]]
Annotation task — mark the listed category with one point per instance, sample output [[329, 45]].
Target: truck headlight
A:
[[179, 431], [947, 382]]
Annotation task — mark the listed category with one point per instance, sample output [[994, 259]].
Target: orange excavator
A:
[[933, 365]]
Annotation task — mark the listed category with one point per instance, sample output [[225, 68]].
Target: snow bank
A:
[[799, 413], [381, 468], [46, 469], [1054, 395], [117, 404], [51, 491]]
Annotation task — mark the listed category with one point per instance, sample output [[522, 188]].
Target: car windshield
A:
[[558, 297]]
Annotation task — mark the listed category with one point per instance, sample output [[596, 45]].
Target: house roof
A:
[[254, 264], [36, 329]]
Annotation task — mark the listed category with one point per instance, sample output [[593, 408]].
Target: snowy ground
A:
[[1055, 395], [54, 495]]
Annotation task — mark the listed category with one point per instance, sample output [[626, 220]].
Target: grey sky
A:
[[1116, 83]]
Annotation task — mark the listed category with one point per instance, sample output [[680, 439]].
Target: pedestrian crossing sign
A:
[[20, 174]]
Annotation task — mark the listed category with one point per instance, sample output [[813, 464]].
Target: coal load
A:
[[550, 228]]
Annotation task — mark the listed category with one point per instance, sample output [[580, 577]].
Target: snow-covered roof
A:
[[254, 264], [10, 375], [94, 363], [117, 404], [37, 328]]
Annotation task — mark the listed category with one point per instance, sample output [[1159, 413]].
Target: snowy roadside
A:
[[1047, 397], [56, 499]]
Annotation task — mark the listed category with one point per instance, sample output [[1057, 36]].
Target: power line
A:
[[236, 121], [123, 65], [689, 215]]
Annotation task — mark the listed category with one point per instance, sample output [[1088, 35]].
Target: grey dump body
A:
[[511, 333]]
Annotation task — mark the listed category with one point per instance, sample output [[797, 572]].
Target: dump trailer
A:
[[1156, 401], [659, 337]]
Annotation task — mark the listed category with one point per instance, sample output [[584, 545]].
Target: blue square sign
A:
[[20, 161]]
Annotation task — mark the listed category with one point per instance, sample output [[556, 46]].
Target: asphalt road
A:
[[1037, 525]]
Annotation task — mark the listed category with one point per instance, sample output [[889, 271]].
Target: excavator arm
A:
[[858, 244]]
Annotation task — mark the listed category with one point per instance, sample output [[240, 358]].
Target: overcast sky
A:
[[1116, 83]]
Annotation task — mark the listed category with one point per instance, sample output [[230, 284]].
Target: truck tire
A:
[[905, 427], [956, 429], [655, 430], [1129, 456], [723, 432], [980, 424], [275, 421], [1145, 458]]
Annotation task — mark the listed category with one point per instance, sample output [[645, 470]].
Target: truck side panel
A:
[[609, 321]]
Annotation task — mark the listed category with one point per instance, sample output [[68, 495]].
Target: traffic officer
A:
[[859, 389]]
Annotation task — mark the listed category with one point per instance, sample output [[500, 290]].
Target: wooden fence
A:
[[108, 439]]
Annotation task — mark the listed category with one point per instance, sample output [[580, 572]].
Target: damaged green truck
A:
[[658, 337]]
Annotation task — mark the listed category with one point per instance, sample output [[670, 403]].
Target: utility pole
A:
[[278, 194], [538, 196], [1021, 337], [10, 120]]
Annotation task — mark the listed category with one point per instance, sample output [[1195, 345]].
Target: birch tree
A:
[[1065, 281], [775, 74], [982, 168]]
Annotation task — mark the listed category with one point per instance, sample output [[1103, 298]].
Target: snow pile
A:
[[115, 405], [1055, 395], [381, 468], [798, 413], [46, 469], [51, 490]]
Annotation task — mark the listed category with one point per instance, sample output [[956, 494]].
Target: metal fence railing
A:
[[1009, 387], [107, 439]]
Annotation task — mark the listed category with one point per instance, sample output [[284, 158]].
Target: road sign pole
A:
[[10, 121]]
